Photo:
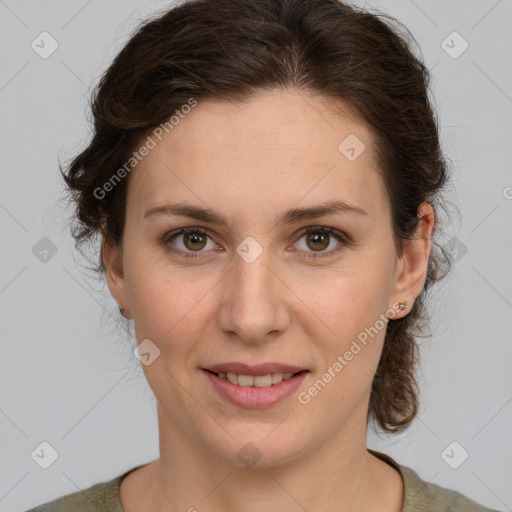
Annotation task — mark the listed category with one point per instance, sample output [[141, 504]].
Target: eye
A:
[[194, 240], [318, 238]]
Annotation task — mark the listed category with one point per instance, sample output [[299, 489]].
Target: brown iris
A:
[[318, 238], [194, 239]]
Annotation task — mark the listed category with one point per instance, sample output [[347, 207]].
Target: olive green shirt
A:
[[419, 496]]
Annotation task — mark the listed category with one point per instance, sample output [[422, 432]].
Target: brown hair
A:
[[231, 49]]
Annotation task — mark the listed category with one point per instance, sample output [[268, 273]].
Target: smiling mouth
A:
[[258, 381]]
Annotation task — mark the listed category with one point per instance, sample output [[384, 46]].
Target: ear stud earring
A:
[[402, 306], [121, 310]]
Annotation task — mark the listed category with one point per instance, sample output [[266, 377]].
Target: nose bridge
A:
[[252, 306]]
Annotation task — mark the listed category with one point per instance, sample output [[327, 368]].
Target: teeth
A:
[[243, 380], [260, 381], [232, 378]]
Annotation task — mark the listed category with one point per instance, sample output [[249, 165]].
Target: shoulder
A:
[[100, 497], [422, 496], [428, 497]]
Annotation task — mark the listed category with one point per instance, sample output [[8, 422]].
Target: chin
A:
[[258, 452]]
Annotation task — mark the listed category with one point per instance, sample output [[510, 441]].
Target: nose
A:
[[253, 306]]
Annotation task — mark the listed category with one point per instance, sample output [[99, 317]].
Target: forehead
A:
[[277, 148]]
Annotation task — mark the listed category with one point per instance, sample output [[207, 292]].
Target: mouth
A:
[[258, 381], [255, 386]]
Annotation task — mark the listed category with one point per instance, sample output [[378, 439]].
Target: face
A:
[[257, 288]]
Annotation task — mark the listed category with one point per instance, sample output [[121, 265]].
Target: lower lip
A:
[[253, 397]]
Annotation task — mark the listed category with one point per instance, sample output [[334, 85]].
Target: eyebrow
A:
[[289, 217]]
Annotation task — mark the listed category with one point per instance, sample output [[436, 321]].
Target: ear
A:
[[113, 262], [411, 271]]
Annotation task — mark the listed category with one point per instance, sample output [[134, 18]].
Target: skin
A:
[[252, 162]]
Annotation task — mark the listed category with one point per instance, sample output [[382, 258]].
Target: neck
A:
[[338, 475]]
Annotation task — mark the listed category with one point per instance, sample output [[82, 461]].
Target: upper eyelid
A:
[[300, 232]]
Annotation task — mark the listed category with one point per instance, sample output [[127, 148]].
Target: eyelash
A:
[[339, 236]]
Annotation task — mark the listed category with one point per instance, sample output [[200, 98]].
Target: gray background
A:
[[67, 372]]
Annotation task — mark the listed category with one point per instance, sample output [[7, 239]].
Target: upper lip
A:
[[255, 370]]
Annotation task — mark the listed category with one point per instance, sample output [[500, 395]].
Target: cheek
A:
[[345, 317], [165, 301], [173, 304], [350, 347], [345, 302], [167, 314]]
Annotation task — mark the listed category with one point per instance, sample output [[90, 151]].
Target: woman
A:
[[265, 177]]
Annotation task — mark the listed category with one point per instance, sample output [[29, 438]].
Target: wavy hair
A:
[[232, 49]]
